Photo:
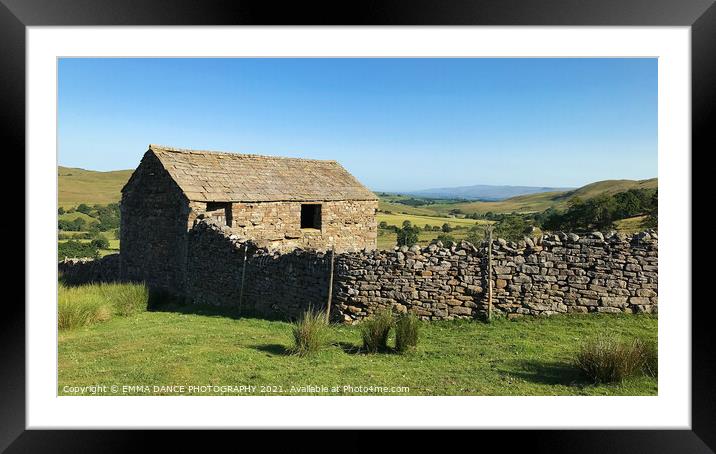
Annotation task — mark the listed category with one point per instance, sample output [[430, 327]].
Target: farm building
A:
[[280, 203]]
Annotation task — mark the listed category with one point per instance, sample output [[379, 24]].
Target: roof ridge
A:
[[155, 147]]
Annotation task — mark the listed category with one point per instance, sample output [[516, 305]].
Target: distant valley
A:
[[484, 192]]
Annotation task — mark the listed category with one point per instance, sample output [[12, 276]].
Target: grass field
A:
[[208, 347], [631, 225], [387, 239], [87, 186], [113, 242], [76, 215], [397, 219], [542, 201]]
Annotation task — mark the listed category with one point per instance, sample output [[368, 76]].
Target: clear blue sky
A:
[[397, 124]]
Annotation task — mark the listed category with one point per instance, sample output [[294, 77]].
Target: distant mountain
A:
[[484, 192]]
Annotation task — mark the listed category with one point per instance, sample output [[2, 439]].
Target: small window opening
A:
[[221, 211], [311, 216]]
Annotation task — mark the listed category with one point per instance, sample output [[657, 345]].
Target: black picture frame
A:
[[700, 15]]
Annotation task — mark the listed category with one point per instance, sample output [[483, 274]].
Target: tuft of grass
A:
[[406, 332], [375, 331], [88, 304], [126, 299], [310, 333], [78, 308], [650, 354], [606, 358]]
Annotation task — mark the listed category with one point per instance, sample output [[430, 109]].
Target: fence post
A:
[[243, 274], [330, 286], [489, 274]]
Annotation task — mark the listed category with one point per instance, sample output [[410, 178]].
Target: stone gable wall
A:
[[153, 228]]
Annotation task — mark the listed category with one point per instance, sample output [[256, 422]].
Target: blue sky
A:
[[396, 124]]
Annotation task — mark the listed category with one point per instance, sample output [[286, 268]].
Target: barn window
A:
[[221, 211], [310, 216]]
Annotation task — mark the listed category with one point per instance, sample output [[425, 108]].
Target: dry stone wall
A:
[[556, 273], [80, 271], [273, 284]]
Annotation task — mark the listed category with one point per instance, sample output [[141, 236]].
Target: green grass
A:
[[387, 239], [630, 225], [77, 186], [75, 215], [397, 220], [310, 333], [113, 242], [94, 303], [606, 358], [522, 357]]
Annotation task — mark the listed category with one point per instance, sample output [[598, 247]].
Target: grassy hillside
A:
[[76, 215], [87, 186], [77, 186], [541, 201]]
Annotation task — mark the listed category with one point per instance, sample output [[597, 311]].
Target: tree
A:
[[383, 225], [100, 242], [407, 223], [652, 218], [446, 228], [475, 235], [77, 249], [445, 238], [83, 208], [60, 210], [512, 227], [408, 235]]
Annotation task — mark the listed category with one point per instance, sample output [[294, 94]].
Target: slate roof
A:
[[210, 176]]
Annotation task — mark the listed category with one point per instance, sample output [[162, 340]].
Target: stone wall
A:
[[555, 274], [568, 273], [274, 285], [80, 271], [349, 225]]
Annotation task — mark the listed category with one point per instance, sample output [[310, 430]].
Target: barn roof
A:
[[210, 176]]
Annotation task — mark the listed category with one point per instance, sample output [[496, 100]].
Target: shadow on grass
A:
[[165, 302], [349, 348], [273, 349], [353, 349], [548, 373]]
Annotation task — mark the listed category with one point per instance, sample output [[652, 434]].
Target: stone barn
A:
[[279, 203]]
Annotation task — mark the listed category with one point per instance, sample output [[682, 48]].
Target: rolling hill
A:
[[91, 187], [530, 202], [77, 186]]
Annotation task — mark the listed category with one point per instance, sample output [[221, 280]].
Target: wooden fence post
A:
[[243, 274], [330, 286]]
